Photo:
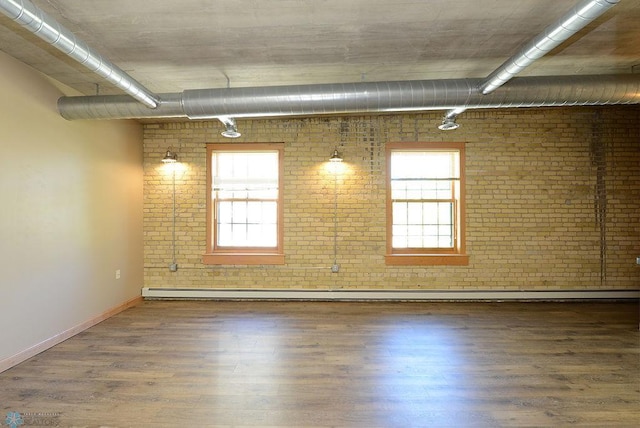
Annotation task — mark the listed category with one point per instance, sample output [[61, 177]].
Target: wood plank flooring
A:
[[339, 364]]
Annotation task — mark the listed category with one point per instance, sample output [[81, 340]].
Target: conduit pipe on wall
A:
[[48, 29], [362, 97]]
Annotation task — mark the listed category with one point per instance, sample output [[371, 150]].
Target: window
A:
[[425, 204], [244, 207]]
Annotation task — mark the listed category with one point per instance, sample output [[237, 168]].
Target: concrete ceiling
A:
[[170, 45]]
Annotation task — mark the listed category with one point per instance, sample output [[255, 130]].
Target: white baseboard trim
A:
[[14, 360], [341, 294]]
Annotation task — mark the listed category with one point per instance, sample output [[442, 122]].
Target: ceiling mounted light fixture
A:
[[231, 130], [335, 156], [448, 125], [449, 119], [170, 157]]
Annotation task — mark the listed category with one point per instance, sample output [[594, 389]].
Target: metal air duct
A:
[[363, 97], [569, 24], [48, 29]]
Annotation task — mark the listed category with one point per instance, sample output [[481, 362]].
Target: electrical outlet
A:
[[173, 267], [638, 260], [118, 274], [335, 268]]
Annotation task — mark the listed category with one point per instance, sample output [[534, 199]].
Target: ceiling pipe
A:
[[48, 29], [569, 24], [329, 99], [362, 97], [583, 13], [225, 104]]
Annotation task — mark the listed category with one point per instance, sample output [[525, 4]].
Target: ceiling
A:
[[170, 46]]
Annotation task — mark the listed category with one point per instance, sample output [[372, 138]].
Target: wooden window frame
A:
[[455, 256], [244, 255]]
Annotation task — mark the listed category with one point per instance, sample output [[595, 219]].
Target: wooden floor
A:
[[318, 364]]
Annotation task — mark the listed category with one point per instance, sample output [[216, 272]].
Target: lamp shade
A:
[[170, 157], [335, 157]]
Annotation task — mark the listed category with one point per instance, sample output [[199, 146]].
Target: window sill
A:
[[427, 260], [243, 259]]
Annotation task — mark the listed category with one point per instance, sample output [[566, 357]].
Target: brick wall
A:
[[553, 201]]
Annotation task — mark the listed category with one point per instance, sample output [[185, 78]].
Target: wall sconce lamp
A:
[[335, 159], [170, 157]]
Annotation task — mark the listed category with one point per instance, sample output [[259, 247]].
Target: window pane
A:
[[239, 212], [254, 232], [269, 213], [429, 178], [431, 242], [399, 213], [431, 231], [414, 242], [269, 191], [398, 190], [414, 231], [239, 235], [400, 236], [443, 189], [248, 224], [399, 241], [225, 234], [414, 190], [245, 171], [414, 214], [445, 237], [426, 164], [245, 191], [262, 235], [445, 213], [430, 213], [254, 213], [224, 212], [269, 236]]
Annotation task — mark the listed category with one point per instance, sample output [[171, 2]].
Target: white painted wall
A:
[[70, 212]]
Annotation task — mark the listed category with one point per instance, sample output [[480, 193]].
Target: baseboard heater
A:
[[401, 295]]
